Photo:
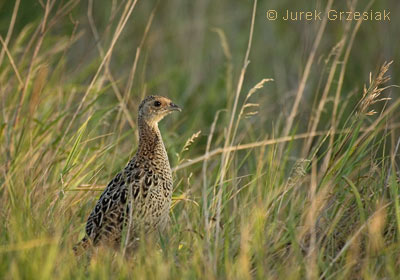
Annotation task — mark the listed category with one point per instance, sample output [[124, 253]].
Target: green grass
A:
[[268, 189]]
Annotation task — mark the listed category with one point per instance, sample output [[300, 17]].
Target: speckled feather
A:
[[145, 184]]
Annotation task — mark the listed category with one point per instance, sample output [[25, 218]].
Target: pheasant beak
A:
[[174, 107]]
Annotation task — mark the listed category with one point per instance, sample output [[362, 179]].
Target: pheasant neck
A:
[[150, 140]]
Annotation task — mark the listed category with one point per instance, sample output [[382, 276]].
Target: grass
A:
[[299, 186]]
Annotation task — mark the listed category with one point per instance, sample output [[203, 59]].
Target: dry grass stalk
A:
[[372, 93], [306, 74], [337, 51], [205, 184], [226, 153], [129, 7], [250, 105], [122, 23], [187, 145], [42, 32], [267, 142], [5, 49], [190, 141], [339, 88], [107, 70], [10, 30]]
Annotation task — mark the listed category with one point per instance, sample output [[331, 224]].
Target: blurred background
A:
[[72, 73], [183, 56]]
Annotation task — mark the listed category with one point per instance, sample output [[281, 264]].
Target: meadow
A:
[[285, 157]]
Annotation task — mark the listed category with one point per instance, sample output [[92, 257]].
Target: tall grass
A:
[[314, 196]]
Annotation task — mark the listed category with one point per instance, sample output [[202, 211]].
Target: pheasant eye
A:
[[157, 103]]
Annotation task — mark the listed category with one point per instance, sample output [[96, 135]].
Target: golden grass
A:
[[313, 196]]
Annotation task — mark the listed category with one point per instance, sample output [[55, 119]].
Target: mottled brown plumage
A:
[[139, 197]]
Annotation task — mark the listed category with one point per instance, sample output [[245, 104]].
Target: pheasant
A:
[[139, 197]]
